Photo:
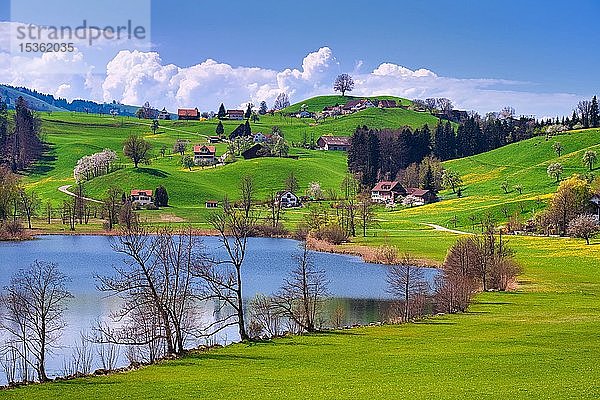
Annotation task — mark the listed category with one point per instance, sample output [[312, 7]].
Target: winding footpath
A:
[[65, 189], [444, 229]]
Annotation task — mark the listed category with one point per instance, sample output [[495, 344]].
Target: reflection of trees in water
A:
[[357, 311]]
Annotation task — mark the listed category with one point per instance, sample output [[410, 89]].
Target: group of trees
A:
[[16, 204], [382, 154], [97, 164], [569, 210], [20, 142], [474, 263]]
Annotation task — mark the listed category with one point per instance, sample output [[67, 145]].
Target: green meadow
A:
[[538, 341]]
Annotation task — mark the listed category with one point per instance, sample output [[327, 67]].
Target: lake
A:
[[358, 286]]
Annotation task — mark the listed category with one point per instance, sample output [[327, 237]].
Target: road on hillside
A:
[[65, 189]]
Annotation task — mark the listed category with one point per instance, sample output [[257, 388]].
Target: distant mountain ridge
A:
[[46, 102]]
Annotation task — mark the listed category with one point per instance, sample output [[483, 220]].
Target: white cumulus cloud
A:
[[135, 76]]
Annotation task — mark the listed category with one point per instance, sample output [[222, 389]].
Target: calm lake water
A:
[[358, 286]]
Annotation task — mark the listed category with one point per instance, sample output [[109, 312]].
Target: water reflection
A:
[[357, 288]]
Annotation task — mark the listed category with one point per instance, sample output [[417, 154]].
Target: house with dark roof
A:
[[330, 142], [164, 114], [257, 150], [387, 192], [204, 155], [356, 105], [331, 111], [141, 196], [188, 113], [235, 114], [286, 199], [422, 196], [387, 104]]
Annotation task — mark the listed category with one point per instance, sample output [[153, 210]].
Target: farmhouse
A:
[[595, 200], [387, 192], [341, 143], [387, 104], [235, 114], [204, 155], [356, 105], [141, 196], [304, 114], [331, 111], [287, 199], [422, 196], [211, 204], [259, 137], [188, 113], [164, 114]]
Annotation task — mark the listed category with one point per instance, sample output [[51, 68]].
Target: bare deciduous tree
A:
[[304, 291], [34, 303], [406, 282], [223, 278], [265, 316], [158, 287], [29, 204]]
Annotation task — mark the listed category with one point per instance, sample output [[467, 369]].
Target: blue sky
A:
[[541, 57], [553, 44]]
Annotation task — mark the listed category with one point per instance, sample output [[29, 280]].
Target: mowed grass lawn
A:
[[540, 341]]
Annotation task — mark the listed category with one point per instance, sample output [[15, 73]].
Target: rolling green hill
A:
[[70, 136], [538, 341], [316, 104]]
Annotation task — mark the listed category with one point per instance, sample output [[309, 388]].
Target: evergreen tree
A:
[[594, 113], [468, 137], [372, 166], [161, 197], [437, 141], [449, 148], [574, 118], [238, 132], [262, 110], [222, 113], [247, 129], [428, 180], [219, 130], [248, 112], [3, 130], [25, 145]]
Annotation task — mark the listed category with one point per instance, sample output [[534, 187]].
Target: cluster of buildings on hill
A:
[[392, 193], [350, 107]]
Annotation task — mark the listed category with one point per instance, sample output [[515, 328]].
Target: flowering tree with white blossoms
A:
[[97, 164]]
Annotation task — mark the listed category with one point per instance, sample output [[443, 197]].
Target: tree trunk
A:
[[240, 308]]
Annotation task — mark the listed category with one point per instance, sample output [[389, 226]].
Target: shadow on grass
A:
[[211, 355], [151, 171], [434, 322], [46, 162]]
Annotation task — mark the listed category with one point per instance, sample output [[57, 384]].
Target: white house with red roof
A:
[[205, 155], [387, 192], [141, 196], [235, 114]]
